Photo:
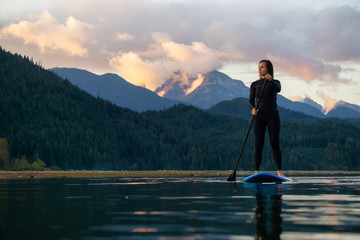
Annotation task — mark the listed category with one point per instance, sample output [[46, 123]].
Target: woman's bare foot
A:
[[280, 174]]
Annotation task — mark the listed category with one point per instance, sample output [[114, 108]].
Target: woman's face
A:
[[262, 69]]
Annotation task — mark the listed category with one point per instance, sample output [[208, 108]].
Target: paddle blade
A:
[[232, 177]]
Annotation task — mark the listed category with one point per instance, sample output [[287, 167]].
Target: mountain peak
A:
[[312, 103], [179, 85], [204, 90], [342, 109]]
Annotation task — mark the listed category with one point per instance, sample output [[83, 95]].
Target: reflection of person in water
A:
[[268, 211]]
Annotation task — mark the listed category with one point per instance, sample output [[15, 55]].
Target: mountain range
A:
[[47, 118], [115, 89], [204, 91]]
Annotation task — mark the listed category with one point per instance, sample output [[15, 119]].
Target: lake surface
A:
[[311, 207]]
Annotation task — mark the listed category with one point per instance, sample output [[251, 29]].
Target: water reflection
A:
[[179, 208], [268, 211]]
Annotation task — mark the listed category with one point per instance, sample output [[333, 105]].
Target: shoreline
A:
[[154, 173]]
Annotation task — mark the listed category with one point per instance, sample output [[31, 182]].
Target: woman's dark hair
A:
[[269, 67]]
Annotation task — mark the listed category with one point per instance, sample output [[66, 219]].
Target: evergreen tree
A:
[[4, 154]]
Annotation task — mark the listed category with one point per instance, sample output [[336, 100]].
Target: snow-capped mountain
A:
[[214, 87], [344, 109], [204, 91]]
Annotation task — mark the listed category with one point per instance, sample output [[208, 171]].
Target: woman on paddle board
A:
[[266, 115]]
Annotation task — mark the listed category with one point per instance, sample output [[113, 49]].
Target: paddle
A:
[[232, 177]]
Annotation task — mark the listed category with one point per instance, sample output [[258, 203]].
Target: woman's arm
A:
[[276, 85]]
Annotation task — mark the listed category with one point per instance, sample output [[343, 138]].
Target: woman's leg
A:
[[274, 134], [259, 133]]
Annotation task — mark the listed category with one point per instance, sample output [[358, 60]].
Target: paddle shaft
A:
[[233, 175]]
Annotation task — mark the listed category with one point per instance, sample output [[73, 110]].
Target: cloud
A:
[[320, 39], [329, 103], [49, 35], [334, 32], [133, 68], [197, 82], [124, 37], [291, 40], [310, 69], [155, 65], [296, 98], [306, 40], [296, 40]]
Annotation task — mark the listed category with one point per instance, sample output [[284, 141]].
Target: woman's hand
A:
[[268, 77], [254, 111]]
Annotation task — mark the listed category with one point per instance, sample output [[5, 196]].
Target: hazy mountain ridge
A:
[[115, 89], [203, 91], [299, 107], [344, 109], [311, 102]]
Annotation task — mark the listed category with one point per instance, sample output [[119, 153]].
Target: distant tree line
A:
[[45, 118]]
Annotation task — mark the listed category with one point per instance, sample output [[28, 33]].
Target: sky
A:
[[313, 45]]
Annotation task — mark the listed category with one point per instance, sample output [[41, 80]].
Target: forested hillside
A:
[[240, 107], [45, 117]]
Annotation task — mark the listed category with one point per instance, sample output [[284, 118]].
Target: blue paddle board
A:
[[265, 177]]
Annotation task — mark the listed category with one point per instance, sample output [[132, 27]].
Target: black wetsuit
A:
[[268, 115]]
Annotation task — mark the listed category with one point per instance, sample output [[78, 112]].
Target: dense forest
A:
[[240, 107], [43, 117]]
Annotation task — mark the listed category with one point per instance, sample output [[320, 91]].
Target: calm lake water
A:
[[180, 208]]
